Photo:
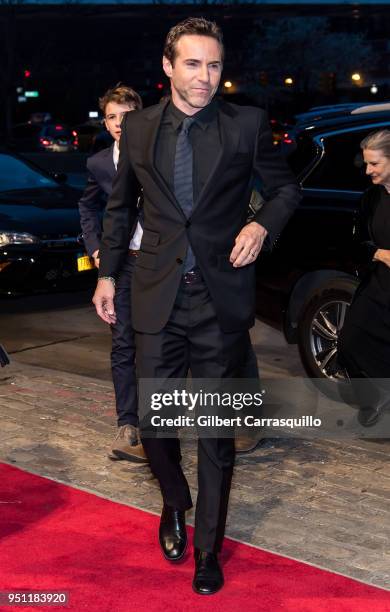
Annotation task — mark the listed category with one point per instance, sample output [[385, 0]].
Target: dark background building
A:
[[70, 53]]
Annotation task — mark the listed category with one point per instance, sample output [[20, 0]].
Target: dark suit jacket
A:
[[364, 238], [364, 246], [101, 172], [218, 216]]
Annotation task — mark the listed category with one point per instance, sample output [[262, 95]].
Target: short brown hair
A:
[[121, 94], [377, 141], [192, 25]]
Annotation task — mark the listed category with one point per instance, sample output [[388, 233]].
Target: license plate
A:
[[84, 263]]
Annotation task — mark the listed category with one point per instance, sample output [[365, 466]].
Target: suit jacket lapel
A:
[[105, 161], [230, 136], [105, 169], [110, 161], [153, 125]]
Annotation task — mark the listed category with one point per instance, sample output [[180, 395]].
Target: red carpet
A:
[[54, 537]]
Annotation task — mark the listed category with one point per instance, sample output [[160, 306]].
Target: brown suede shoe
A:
[[245, 444], [127, 445]]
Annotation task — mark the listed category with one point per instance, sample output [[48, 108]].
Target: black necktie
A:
[[182, 180]]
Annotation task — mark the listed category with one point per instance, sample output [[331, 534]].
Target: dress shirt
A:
[[205, 139]]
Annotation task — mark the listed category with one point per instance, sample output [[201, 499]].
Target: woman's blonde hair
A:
[[377, 141]]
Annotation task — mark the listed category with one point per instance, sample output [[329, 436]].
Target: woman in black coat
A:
[[364, 343]]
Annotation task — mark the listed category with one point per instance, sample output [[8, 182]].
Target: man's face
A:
[[113, 118], [196, 72], [378, 166]]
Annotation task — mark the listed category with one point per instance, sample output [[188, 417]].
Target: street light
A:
[[374, 89], [289, 81], [356, 78], [228, 84]]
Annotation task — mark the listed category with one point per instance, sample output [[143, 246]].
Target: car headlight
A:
[[7, 238]]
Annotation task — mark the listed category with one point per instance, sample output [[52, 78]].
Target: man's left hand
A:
[[248, 244]]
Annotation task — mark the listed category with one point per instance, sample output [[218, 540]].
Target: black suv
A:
[[306, 283]]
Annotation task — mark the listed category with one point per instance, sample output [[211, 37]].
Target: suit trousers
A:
[[123, 349], [192, 339], [249, 368]]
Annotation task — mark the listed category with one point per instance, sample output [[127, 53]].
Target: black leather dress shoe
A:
[[208, 578], [369, 416], [173, 534]]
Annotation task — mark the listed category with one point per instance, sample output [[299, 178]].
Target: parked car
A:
[[327, 115], [280, 131], [40, 247], [306, 283], [329, 111], [54, 137], [40, 117], [89, 133]]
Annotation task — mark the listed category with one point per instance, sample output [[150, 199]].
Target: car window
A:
[[342, 165], [15, 174], [303, 154], [56, 131]]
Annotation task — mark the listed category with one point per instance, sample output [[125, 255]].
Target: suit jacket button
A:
[[179, 261]]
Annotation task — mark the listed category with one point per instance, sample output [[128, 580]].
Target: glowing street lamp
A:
[[374, 89], [228, 84], [289, 81], [356, 78]]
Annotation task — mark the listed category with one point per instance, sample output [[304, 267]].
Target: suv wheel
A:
[[319, 327]]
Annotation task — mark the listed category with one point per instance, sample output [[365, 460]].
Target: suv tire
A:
[[319, 325]]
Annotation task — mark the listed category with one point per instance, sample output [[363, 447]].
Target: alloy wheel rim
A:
[[324, 333]]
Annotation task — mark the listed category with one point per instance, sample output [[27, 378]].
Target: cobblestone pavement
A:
[[323, 502]]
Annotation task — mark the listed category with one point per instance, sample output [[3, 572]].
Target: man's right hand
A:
[[104, 300]]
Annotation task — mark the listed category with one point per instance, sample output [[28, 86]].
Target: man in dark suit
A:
[[114, 104], [193, 284]]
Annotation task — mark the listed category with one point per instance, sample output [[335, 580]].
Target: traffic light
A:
[[27, 74]]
